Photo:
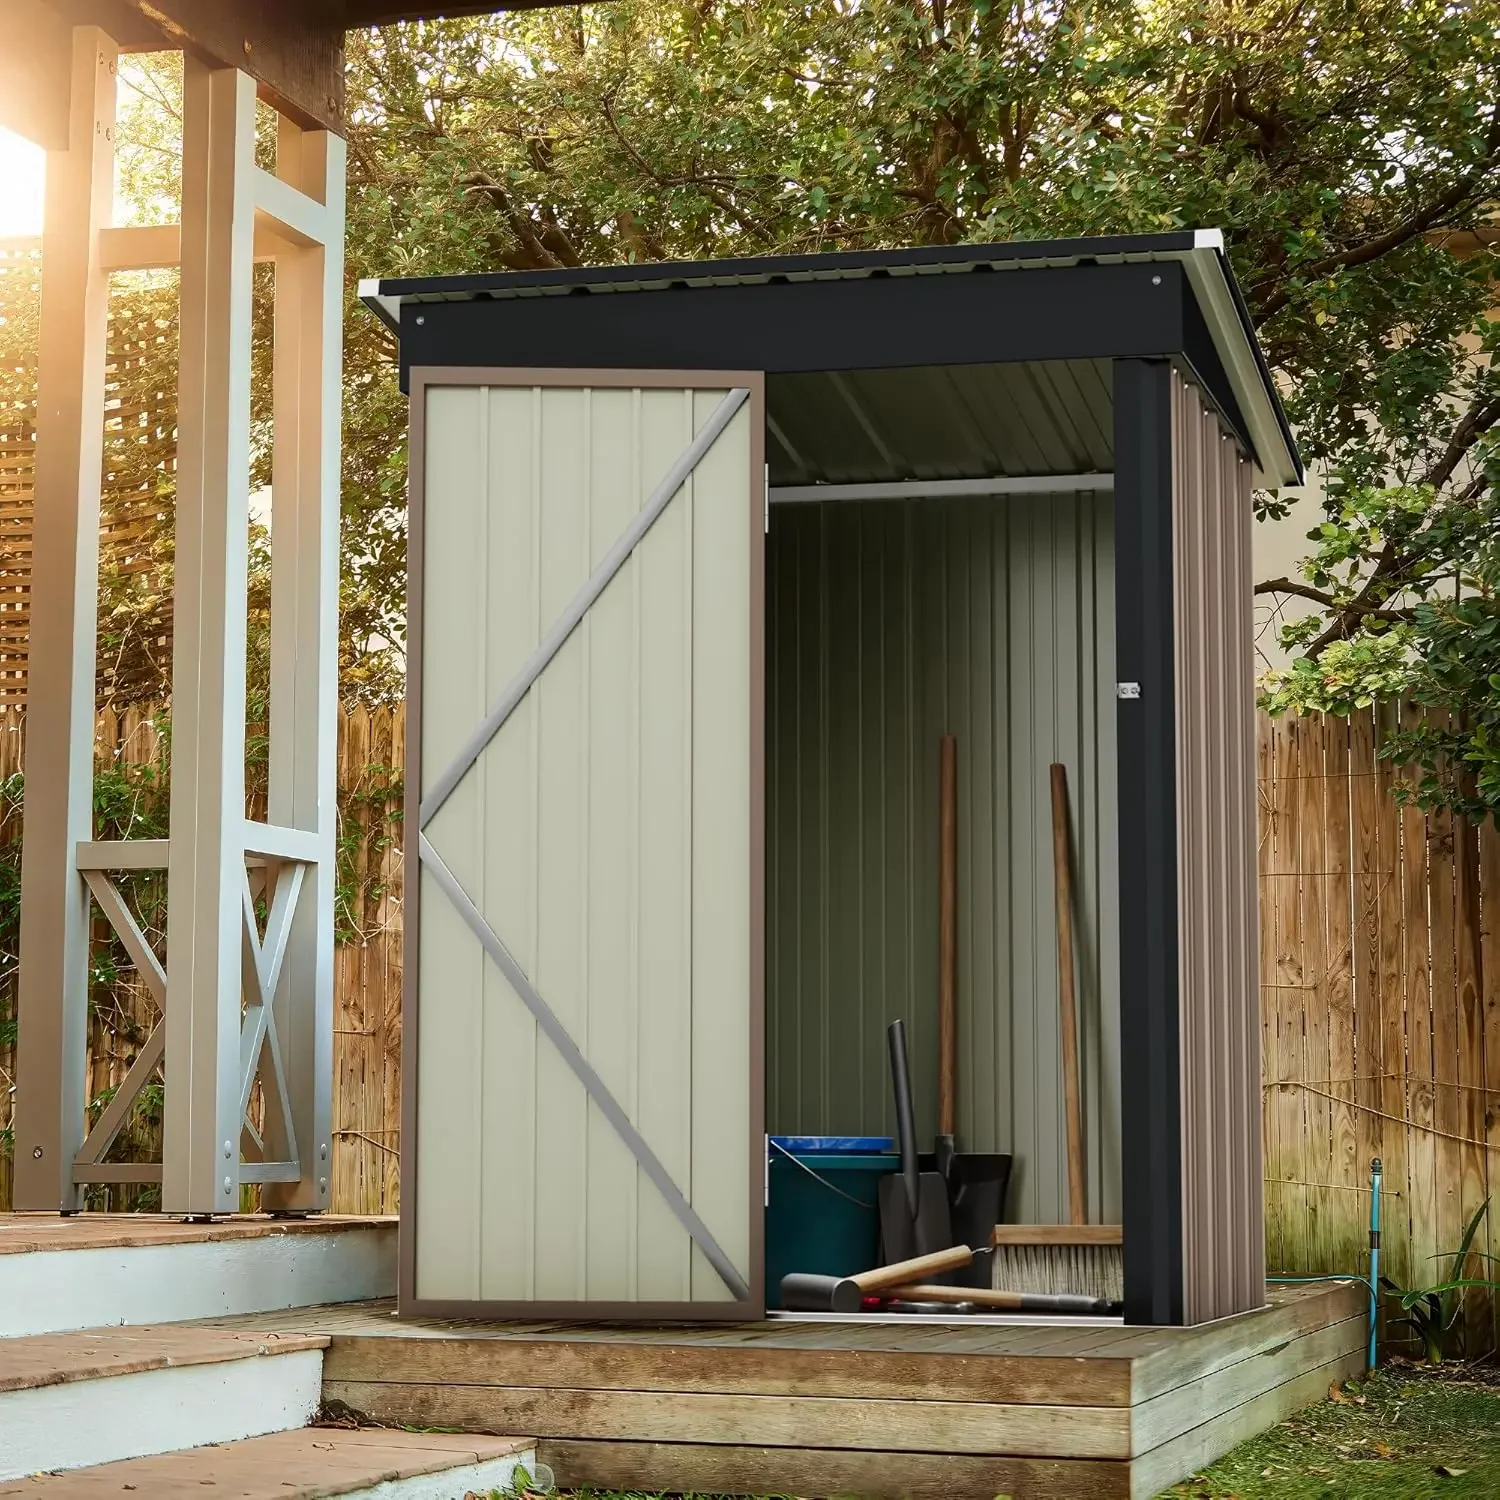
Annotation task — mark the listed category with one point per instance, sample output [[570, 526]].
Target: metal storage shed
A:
[[703, 557]]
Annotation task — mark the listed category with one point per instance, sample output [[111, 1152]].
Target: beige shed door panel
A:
[[588, 1103]]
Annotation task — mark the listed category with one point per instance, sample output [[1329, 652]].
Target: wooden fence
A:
[[1380, 967], [1380, 973]]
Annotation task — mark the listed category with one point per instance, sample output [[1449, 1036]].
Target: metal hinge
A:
[[1127, 690], [768, 526]]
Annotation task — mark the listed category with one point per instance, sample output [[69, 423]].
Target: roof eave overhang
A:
[[1204, 263], [1207, 269]]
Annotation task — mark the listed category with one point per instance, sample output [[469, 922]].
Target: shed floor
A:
[[934, 1410]]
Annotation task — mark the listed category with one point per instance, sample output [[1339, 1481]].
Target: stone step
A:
[[73, 1399], [311, 1464], [60, 1274]]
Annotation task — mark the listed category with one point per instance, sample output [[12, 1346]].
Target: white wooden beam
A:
[[156, 247], [140, 247], [53, 992], [303, 749], [123, 854], [940, 489], [296, 217], [206, 874], [271, 842], [112, 904]]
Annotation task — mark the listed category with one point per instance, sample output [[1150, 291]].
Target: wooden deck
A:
[[947, 1410], [23, 1234]]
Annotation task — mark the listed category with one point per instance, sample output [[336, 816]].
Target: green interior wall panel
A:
[[889, 624]]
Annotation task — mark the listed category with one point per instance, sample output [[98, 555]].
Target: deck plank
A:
[[1179, 1357], [766, 1421], [1190, 1451], [303, 1465], [22, 1234], [743, 1371], [1164, 1417], [44, 1359], [710, 1469]]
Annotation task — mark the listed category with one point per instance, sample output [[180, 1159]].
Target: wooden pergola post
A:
[[304, 633], [206, 868], [233, 212], [52, 1011], [247, 989]]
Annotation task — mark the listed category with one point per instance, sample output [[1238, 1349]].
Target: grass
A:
[[1408, 1433]]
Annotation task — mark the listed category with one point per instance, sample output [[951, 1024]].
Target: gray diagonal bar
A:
[[598, 1090], [552, 642]]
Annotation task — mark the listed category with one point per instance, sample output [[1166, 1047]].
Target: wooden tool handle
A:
[[948, 936], [1036, 1302], [1063, 883], [913, 1270], [978, 1295]]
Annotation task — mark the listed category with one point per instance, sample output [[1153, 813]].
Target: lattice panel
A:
[[138, 477]]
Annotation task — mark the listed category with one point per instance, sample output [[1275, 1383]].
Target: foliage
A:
[[130, 801], [370, 816], [1431, 1312], [1350, 150]]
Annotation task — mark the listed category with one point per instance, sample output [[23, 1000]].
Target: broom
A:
[[1076, 1258]]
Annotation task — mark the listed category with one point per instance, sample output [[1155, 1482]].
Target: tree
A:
[[1347, 148], [1350, 150]]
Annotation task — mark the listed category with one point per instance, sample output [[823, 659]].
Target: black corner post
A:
[[1150, 1097]]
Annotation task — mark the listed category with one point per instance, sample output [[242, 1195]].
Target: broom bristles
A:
[[1066, 1270]]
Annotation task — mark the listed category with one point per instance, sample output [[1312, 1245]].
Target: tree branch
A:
[[1384, 579], [1480, 417], [1408, 229], [720, 200], [518, 223], [1301, 590]]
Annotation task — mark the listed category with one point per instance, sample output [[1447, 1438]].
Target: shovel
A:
[[913, 1203]]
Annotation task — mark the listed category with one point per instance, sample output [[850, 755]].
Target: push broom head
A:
[[1073, 1260]]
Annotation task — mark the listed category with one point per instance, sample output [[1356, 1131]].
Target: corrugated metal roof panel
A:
[[851, 427]]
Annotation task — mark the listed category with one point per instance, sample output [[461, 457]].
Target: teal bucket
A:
[[822, 1217]]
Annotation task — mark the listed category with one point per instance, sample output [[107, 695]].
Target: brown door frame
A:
[[422, 379]]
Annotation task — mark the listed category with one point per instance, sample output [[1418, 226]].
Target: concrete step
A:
[[307, 1465], [73, 1399], [60, 1274]]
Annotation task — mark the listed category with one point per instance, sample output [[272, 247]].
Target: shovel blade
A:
[[902, 1236]]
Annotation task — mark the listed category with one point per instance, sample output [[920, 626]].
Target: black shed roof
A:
[[1165, 295]]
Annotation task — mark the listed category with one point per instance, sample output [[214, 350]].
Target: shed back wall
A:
[[888, 624]]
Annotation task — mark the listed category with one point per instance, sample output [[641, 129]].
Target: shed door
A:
[[586, 987]]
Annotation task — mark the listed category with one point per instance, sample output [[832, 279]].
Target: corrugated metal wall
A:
[[604, 834], [1218, 958], [889, 624]]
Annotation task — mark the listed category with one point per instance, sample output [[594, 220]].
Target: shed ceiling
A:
[[942, 422]]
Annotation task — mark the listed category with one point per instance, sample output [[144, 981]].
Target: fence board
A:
[[1344, 1168]]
